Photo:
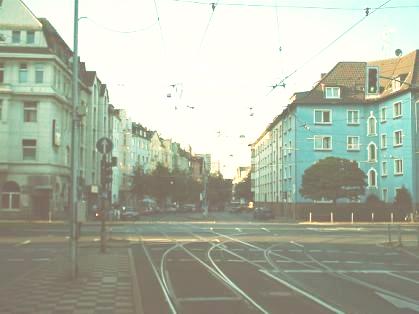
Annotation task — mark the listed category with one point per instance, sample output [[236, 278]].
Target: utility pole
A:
[[74, 146]]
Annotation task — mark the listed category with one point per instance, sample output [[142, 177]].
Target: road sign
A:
[[104, 145]]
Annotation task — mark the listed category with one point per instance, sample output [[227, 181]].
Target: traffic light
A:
[[372, 81], [106, 172]]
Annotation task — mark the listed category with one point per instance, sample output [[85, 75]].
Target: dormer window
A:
[[397, 82], [332, 92]]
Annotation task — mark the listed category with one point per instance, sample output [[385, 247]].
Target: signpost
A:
[[104, 146]]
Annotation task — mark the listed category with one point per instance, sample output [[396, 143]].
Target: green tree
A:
[[403, 202], [374, 203], [218, 190], [159, 184], [333, 178], [139, 186], [243, 189]]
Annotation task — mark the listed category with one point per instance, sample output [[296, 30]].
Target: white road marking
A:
[[203, 299], [24, 243], [400, 303], [403, 278], [353, 262], [330, 262], [311, 297], [315, 251], [41, 259], [295, 251], [238, 229], [297, 244], [265, 229]]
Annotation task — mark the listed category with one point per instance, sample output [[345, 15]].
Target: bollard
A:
[[331, 217], [389, 234], [400, 236], [310, 217], [392, 218], [411, 217], [417, 235], [372, 217], [352, 218]]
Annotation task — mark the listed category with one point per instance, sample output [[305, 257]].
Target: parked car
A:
[[187, 208], [263, 213], [129, 213]]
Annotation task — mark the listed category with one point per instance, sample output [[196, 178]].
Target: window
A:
[[383, 141], [23, 73], [29, 111], [398, 138], [385, 195], [39, 73], [332, 92], [10, 196], [15, 37], [372, 125], [397, 110], [1, 72], [29, 149], [353, 116], [322, 142], [384, 168], [383, 114], [398, 166], [372, 152], [353, 143], [372, 178], [30, 37], [322, 116]]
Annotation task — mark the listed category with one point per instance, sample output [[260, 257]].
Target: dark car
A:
[[263, 213], [130, 214]]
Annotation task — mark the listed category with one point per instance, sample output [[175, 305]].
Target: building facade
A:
[[361, 111]]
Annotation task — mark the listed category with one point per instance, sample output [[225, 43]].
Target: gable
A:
[[15, 15]]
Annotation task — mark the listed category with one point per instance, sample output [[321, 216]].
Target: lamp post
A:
[[74, 145]]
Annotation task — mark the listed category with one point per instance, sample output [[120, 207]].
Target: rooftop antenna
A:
[[398, 53]]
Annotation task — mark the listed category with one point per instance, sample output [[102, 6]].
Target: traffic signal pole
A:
[[103, 205], [74, 150]]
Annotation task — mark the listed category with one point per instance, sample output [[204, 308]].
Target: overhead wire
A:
[[213, 6], [367, 14]]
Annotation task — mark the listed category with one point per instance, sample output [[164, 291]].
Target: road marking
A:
[[295, 251], [203, 299], [238, 229], [41, 259], [24, 243], [353, 262], [15, 259], [297, 244], [346, 271], [310, 296], [265, 229], [330, 262], [391, 254], [400, 303], [332, 251], [315, 251], [403, 278]]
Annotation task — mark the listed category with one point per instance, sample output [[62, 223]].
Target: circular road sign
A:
[[104, 145]]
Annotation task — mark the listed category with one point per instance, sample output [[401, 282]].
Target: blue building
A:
[[362, 111]]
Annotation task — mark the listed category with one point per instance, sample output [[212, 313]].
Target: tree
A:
[[139, 185], [218, 190], [333, 178], [159, 183], [374, 203], [403, 202], [243, 189]]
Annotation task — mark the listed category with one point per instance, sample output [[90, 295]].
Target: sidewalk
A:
[[103, 286]]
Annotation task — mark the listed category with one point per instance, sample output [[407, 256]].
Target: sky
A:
[[223, 58]]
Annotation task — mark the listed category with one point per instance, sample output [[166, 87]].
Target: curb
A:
[[136, 293]]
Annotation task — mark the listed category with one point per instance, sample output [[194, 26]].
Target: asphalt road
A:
[[273, 268], [231, 264]]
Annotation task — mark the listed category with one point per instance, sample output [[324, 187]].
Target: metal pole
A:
[[103, 209], [74, 145], [389, 234]]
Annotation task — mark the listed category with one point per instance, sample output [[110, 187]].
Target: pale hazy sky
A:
[[223, 64]]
